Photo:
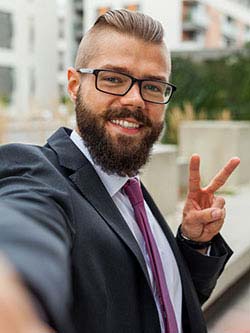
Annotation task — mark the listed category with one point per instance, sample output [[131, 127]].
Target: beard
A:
[[122, 155]]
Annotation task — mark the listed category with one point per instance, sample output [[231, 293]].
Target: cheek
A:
[[98, 101], [157, 115]]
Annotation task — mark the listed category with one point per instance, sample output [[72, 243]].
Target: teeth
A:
[[124, 123]]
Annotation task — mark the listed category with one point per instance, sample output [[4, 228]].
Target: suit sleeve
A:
[[36, 233], [205, 270]]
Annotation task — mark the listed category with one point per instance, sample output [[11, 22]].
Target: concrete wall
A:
[[217, 142], [160, 175], [166, 174], [35, 131]]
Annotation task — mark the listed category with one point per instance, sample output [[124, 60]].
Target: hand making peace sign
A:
[[204, 213]]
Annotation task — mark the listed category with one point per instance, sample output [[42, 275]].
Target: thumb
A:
[[205, 215]]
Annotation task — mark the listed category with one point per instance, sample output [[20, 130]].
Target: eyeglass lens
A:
[[117, 83]]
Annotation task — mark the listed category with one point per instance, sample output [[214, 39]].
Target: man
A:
[[69, 227]]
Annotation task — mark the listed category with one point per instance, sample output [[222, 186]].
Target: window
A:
[[228, 42], [32, 81], [31, 25], [6, 30], [6, 83], [189, 35], [61, 65], [62, 92], [61, 26], [229, 19]]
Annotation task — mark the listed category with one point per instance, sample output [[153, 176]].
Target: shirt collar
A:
[[113, 183]]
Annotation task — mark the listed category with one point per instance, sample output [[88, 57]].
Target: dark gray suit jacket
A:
[[76, 254]]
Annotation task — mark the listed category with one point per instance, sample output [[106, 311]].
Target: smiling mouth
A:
[[125, 124]]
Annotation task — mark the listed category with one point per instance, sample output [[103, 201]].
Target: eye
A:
[[152, 88], [112, 79]]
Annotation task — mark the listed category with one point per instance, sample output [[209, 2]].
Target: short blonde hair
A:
[[135, 24]]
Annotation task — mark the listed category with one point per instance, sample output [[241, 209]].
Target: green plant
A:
[[211, 87], [4, 100]]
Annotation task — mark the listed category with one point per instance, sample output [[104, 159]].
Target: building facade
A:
[[38, 40], [215, 24], [28, 59], [167, 12], [71, 20], [189, 24]]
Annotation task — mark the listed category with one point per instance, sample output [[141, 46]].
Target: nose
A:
[[133, 98]]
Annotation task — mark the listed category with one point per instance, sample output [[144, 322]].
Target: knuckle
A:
[[188, 218], [191, 218], [221, 200]]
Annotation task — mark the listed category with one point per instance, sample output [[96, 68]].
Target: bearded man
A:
[[89, 250]]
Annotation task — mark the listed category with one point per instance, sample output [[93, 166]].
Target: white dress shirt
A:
[[114, 184]]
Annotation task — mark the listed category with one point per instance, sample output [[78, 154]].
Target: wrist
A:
[[192, 243]]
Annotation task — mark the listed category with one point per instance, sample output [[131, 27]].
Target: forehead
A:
[[131, 54]]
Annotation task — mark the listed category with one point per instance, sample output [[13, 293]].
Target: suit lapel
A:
[[94, 191], [85, 178]]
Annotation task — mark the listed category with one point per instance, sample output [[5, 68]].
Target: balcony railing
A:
[[196, 19], [229, 28]]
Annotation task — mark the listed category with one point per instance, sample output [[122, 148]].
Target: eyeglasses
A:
[[116, 83]]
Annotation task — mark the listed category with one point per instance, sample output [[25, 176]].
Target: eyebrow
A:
[[126, 71]]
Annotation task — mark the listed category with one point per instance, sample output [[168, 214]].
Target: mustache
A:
[[137, 115]]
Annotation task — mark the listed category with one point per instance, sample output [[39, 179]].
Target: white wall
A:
[[45, 54], [169, 14]]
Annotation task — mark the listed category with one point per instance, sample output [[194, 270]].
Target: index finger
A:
[[194, 173], [222, 176]]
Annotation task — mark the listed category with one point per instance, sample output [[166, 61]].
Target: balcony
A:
[[229, 28], [78, 5], [195, 43], [195, 17], [247, 34]]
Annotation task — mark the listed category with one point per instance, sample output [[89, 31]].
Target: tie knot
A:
[[133, 190]]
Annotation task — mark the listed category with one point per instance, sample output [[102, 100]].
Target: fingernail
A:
[[216, 214]]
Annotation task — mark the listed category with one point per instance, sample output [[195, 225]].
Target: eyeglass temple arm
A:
[[85, 70]]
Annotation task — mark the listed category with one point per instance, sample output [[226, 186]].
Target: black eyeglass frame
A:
[[133, 81]]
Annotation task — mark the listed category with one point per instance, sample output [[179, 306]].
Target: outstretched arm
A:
[[18, 314]]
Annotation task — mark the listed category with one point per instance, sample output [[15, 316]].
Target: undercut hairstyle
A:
[[132, 23]]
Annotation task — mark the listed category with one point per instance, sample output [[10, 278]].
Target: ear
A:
[[73, 83]]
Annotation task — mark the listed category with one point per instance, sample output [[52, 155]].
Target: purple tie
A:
[[133, 190]]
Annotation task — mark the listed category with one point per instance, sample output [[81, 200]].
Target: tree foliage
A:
[[212, 86]]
